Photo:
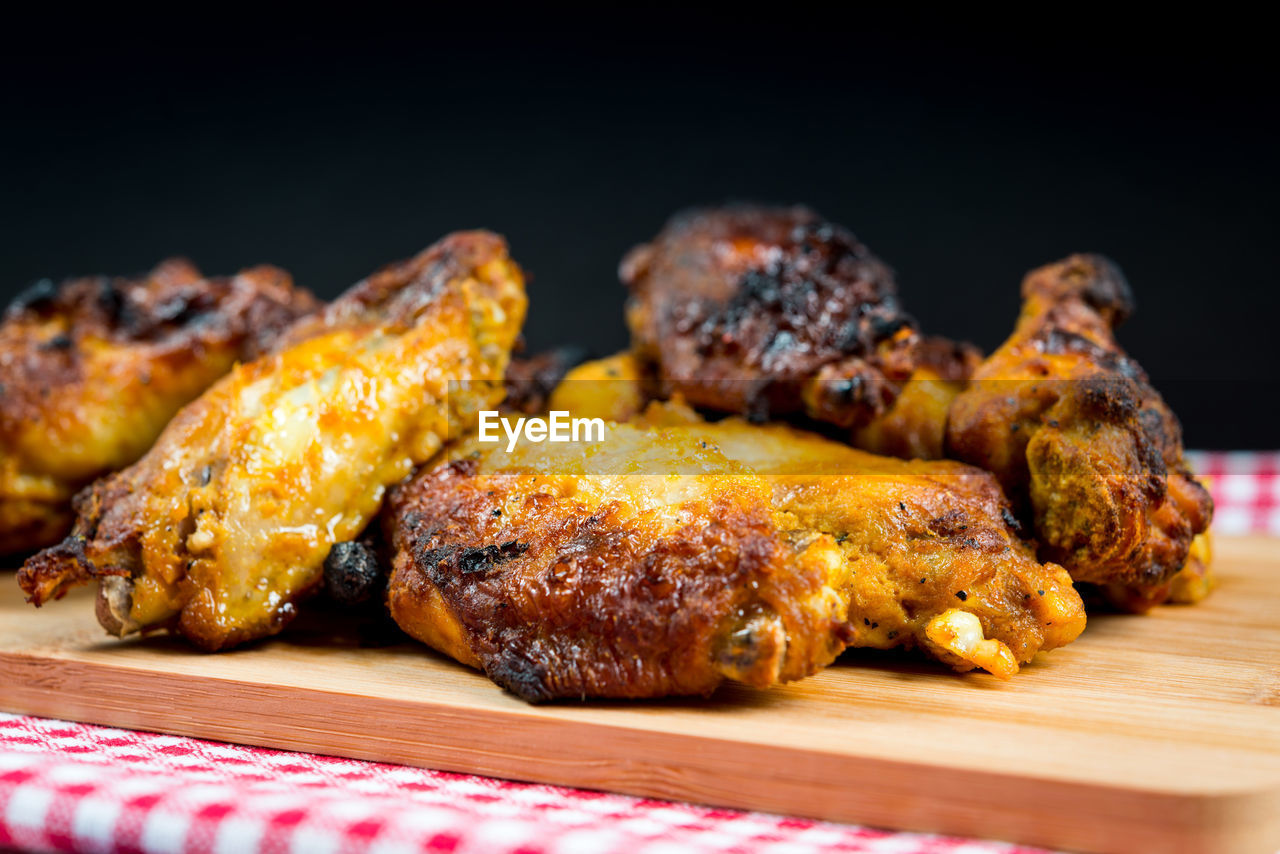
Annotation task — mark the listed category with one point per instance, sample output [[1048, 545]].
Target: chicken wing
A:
[[768, 312], [675, 554], [93, 369], [226, 523], [1077, 436], [914, 426], [644, 567], [932, 550]]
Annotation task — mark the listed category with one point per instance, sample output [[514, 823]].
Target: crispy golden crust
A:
[[93, 370], [1078, 437], [561, 578], [768, 312], [676, 554], [933, 553], [1189, 585], [224, 525]]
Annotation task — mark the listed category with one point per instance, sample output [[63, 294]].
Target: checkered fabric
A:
[[76, 787], [1245, 487]]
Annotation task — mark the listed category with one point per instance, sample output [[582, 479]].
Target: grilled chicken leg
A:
[[1077, 436]]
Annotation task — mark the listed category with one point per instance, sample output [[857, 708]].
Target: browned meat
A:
[[769, 312], [1078, 437], [675, 554], [93, 369], [915, 426], [224, 526]]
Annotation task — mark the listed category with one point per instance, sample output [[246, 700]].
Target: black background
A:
[[963, 151]]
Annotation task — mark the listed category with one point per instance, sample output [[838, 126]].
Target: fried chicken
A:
[[768, 313], [676, 554], [914, 426], [1189, 585], [92, 370], [932, 551], [1078, 438], [222, 528], [645, 566]]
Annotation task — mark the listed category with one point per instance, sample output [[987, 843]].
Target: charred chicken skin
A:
[[92, 370], [1079, 439], [225, 524], [645, 567], [775, 313], [676, 554], [766, 313]]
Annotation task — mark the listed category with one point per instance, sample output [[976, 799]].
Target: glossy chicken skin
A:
[[768, 312], [92, 370], [931, 550], [677, 553], [615, 388], [225, 524], [643, 566], [1079, 439]]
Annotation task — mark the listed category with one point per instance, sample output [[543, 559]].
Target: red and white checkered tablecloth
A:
[[76, 787]]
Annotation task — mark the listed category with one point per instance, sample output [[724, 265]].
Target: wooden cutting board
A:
[[1149, 733]]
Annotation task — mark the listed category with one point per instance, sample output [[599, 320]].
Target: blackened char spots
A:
[[1011, 520], [111, 300], [443, 560], [530, 381], [1106, 288], [352, 573], [518, 674]]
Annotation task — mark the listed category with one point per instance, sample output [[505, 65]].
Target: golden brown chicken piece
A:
[[676, 553], [933, 553], [1079, 439], [93, 369], [225, 524], [615, 388], [766, 313], [643, 566], [1189, 585]]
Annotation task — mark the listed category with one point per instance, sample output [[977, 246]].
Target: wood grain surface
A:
[[1157, 733]]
